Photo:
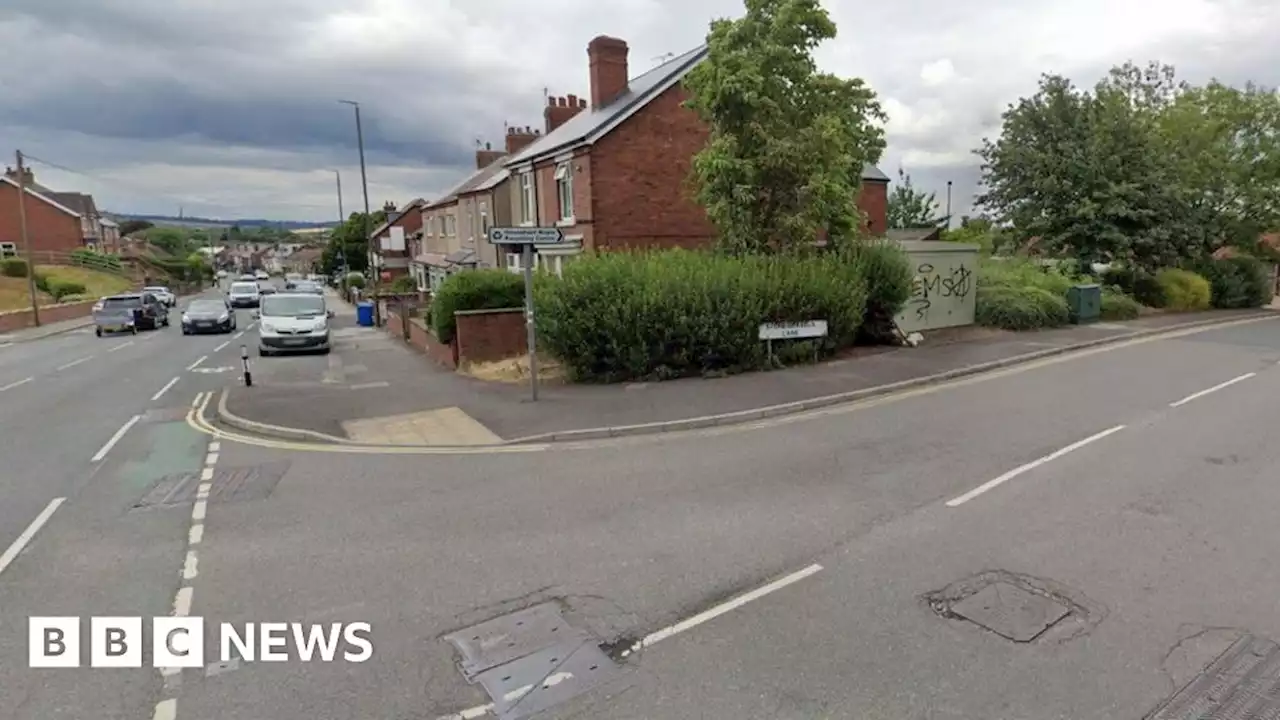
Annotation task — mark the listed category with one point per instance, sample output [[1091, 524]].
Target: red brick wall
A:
[[48, 227], [873, 200], [17, 320], [490, 335]]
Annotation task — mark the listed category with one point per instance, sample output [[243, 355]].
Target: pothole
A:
[[1018, 607]]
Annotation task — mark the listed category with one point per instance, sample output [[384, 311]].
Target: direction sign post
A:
[[526, 238]]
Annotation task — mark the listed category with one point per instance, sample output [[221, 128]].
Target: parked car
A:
[[245, 294], [308, 288], [292, 322], [247, 277], [261, 275], [130, 313], [208, 315], [221, 274], [163, 294]]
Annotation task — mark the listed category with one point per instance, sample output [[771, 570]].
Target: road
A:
[[815, 566]]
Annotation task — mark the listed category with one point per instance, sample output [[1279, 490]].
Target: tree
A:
[[347, 243], [787, 143], [911, 208], [129, 227], [171, 240]]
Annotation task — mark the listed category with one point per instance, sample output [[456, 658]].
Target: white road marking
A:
[[74, 363], [224, 344], [162, 390], [1215, 388], [196, 534], [102, 452], [195, 402], [370, 385], [215, 446], [18, 545], [199, 360], [182, 603], [250, 325], [997, 482], [211, 458], [165, 710], [206, 474], [189, 571], [5, 344], [197, 511], [121, 346], [13, 385], [238, 335]]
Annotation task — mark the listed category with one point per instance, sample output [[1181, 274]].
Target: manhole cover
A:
[[533, 683], [1242, 684], [237, 484], [1010, 611], [506, 638]]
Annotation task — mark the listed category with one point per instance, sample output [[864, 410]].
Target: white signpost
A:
[[526, 238], [792, 331]]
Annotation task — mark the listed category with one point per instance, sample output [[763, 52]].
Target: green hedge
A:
[[353, 280], [1138, 284], [1184, 290], [1118, 306], [473, 290], [60, 289], [92, 259], [889, 277], [1238, 282], [617, 316], [13, 267], [1024, 307], [404, 284]]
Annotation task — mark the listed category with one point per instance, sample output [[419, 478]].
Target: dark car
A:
[[132, 312], [208, 315]]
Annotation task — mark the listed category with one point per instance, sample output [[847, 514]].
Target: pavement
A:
[[1109, 510], [375, 389]]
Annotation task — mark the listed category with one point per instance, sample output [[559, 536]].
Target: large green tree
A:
[[912, 208], [348, 244], [787, 143]]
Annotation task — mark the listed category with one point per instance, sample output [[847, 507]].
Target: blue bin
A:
[[364, 314]]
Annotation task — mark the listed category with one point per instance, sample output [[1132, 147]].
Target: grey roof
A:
[[452, 194], [31, 190], [589, 124], [493, 181], [871, 172], [480, 180], [79, 202], [466, 256]]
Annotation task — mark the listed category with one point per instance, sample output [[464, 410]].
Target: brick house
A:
[[51, 226], [408, 220], [612, 173]]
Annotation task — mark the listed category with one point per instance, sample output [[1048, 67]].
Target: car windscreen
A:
[[305, 286], [121, 303], [156, 288], [207, 306], [244, 288], [292, 306]]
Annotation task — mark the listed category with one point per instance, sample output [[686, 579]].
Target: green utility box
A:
[[1085, 303]]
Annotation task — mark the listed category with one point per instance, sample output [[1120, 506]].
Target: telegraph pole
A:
[[26, 241], [364, 185], [342, 217]]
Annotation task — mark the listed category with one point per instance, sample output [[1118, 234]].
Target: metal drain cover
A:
[[1010, 611], [240, 484], [1242, 684], [506, 638], [546, 678]]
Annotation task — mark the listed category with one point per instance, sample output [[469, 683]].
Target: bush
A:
[[1138, 284], [473, 290], [1184, 290], [42, 282], [91, 259], [889, 277], [60, 289], [354, 280], [1023, 307], [13, 267], [1238, 282], [617, 316], [1022, 273], [404, 284], [1118, 306]]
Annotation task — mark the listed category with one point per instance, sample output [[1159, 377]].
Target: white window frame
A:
[[8, 249], [514, 263], [436, 277], [450, 225], [564, 191], [528, 199]]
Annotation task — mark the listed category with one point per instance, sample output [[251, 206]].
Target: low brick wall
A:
[[421, 337], [490, 335], [21, 319]]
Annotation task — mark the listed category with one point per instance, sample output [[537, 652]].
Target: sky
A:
[[229, 108]]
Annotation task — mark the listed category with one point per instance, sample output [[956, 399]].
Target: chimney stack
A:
[[518, 138], [27, 173], [559, 110], [488, 156], [608, 63]]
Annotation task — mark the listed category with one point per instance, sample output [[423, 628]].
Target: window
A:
[[528, 202], [441, 224], [513, 263], [8, 249], [564, 189], [450, 225], [436, 278]]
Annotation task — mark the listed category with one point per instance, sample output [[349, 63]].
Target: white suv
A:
[[244, 294], [289, 322]]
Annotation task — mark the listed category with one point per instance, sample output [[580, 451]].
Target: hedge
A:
[[1020, 307], [1238, 282], [13, 267], [473, 290], [1118, 306], [60, 289], [1184, 290], [1139, 284], [618, 316], [889, 284]]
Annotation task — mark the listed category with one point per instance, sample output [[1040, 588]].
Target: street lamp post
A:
[[364, 185], [342, 217]]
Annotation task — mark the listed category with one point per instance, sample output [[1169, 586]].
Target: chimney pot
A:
[[607, 57], [572, 101], [551, 101]]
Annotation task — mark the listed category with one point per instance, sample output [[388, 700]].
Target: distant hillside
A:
[[214, 222]]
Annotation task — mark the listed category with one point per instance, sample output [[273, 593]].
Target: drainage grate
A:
[[508, 637], [1010, 611], [1242, 684], [237, 484]]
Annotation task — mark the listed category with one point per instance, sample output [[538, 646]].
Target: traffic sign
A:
[[525, 236]]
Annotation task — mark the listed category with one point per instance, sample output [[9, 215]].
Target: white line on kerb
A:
[[102, 452], [199, 360], [13, 385], [658, 636], [25, 538], [166, 710], [164, 389], [997, 482], [74, 363], [1215, 388], [121, 346], [224, 344]]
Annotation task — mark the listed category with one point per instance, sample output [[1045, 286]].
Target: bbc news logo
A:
[[179, 642]]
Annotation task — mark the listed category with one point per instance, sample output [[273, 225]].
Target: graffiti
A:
[[929, 284]]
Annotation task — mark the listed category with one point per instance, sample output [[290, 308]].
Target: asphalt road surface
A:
[[1072, 539]]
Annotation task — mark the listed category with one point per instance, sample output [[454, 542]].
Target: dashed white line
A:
[[224, 344], [5, 344], [13, 385], [199, 360], [102, 452], [211, 459], [121, 346], [196, 534], [997, 482], [215, 446], [74, 363], [182, 602], [206, 474], [238, 335], [197, 510], [25, 538], [1215, 388], [165, 710], [189, 570], [164, 389]]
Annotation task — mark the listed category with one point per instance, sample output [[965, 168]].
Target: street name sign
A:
[[525, 236], [793, 331]]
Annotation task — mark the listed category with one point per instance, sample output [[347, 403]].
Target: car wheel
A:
[[97, 331], [262, 352], [186, 331], [133, 329], [166, 321]]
